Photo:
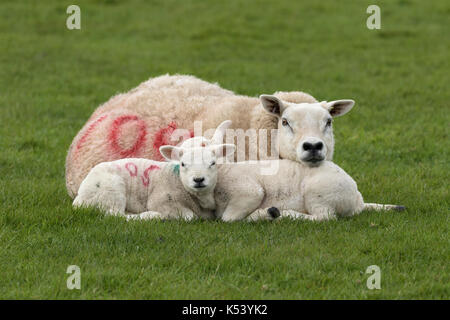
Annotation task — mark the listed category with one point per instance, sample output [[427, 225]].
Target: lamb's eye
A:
[[284, 122], [182, 164], [328, 123], [213, 163]]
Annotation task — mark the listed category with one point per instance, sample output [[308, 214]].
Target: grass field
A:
[[394, 143]]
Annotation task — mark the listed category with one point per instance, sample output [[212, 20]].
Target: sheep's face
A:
[[198, 168], [305, 132]]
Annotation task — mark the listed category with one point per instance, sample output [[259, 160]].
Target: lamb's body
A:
[[137, 123], [139, 186], [298, 191]]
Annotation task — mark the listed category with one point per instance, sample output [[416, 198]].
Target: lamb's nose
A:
[[307, 146], [199, 180]]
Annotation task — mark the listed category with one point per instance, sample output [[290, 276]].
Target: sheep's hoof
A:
[[400, 208], [273, 212]]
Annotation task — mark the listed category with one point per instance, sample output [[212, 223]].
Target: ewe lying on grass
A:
[[137, 123], [155, 189]]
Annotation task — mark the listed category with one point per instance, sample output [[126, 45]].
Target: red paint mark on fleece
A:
[[115, 132], [162, 138], [145, 178], [131, 168], [88, 131]]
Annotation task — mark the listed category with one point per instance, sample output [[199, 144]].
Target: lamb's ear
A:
[[171, 153], [272, 104], [220, 132], [223, 150], [339, 107]]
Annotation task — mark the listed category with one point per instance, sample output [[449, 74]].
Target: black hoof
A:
[[400, 208], [273, 212]]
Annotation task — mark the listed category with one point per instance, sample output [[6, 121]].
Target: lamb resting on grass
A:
[[154, 189], [310, 188], [320, 191]]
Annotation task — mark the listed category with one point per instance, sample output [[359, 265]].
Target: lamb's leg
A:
[[274, 213], [244, 200], [103, 190], [292, 214], [187, 215], [318, 214], [264, 214], [321, 213], [240, 207], [147, 215], [381, 207]]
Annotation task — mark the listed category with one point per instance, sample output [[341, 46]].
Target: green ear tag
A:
[[176, 169]]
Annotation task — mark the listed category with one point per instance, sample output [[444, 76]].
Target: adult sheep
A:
[[137, 123]]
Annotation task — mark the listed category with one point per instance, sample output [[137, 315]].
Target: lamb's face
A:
[[305, 132], [198, 170], [198, 165]]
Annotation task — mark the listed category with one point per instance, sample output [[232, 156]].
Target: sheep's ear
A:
[[272, 104], [339, 107], [220, 132], [223, 150], [171, 153]]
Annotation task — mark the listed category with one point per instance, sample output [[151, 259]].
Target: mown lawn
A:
[[395, 143]]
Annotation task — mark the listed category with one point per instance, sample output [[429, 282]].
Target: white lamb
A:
[[155, 189], [310, 188], [299, 190]]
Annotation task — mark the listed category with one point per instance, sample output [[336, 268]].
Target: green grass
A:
[[394, 143]]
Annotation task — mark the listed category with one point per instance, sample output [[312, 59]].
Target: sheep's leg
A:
[[318, 214], [244, 200], [108, 196], [292, 214], [273, 213], [187, 215], [147, 215], [321, 213], [240, 207], [264, 214], [382, 207]]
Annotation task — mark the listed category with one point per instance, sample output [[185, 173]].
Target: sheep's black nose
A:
[[307, 146], [199, 180]]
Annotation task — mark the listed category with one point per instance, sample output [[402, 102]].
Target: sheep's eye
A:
[[328, 123], [284, 122], [213, 163], [182, 164]]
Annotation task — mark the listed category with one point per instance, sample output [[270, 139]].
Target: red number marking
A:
[[88, 131], [145, 178], [115, 132], [162, 137], [131, 168]]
